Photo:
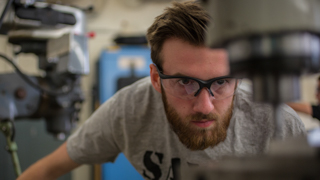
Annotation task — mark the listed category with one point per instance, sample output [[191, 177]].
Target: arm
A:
[[52, 166], [301, 107]]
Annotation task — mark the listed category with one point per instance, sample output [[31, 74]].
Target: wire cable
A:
[[34, 85], [4, 12]]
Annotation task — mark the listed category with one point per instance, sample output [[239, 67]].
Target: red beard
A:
[[193, 137]]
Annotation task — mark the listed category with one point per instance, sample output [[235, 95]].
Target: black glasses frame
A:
[[201, 83]]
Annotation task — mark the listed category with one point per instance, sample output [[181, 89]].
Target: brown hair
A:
[[186, 21]]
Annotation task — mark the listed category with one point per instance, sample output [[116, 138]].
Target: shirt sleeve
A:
[[93, 142], [293, 125]]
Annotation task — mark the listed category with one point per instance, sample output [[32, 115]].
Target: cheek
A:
[[182, 107], [223, 105], [185, 108]]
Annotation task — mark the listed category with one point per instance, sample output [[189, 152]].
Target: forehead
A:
[[180, 57]]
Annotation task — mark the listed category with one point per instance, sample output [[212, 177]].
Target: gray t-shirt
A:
[[133, 121]]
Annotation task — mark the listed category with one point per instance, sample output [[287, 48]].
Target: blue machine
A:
[[119, 67]]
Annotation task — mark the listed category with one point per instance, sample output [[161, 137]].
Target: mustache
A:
[[201, 116]]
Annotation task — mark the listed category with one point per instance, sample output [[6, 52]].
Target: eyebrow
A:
[[179, 75]]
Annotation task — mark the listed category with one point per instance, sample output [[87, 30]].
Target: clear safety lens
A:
[[187, 88]]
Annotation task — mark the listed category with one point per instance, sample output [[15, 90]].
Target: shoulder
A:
[[133, 103], [138, 93], [243, 102], [264, 114]]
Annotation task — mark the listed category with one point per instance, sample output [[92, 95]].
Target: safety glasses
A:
[[186, 87]]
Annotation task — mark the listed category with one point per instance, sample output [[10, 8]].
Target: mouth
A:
[[203, 123]]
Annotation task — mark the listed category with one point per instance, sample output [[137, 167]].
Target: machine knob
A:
[[20, 93]]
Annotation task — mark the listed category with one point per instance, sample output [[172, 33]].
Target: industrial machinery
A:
[[272, 43], [56, 34]]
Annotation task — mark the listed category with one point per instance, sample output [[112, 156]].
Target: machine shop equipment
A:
[[56, 34], [272, 43]]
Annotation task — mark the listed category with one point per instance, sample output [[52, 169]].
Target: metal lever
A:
[[7, 127]]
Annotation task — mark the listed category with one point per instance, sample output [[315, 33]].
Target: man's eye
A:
[[221, 81], [184, 81]]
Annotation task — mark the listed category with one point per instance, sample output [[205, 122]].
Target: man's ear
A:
[[155, 78]]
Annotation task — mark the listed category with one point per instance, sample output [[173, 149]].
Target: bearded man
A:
[[190, 111]]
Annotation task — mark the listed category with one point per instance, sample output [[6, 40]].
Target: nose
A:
[[203, 102]]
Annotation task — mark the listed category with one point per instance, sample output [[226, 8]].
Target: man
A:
[[307, 108], [189, 111]]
